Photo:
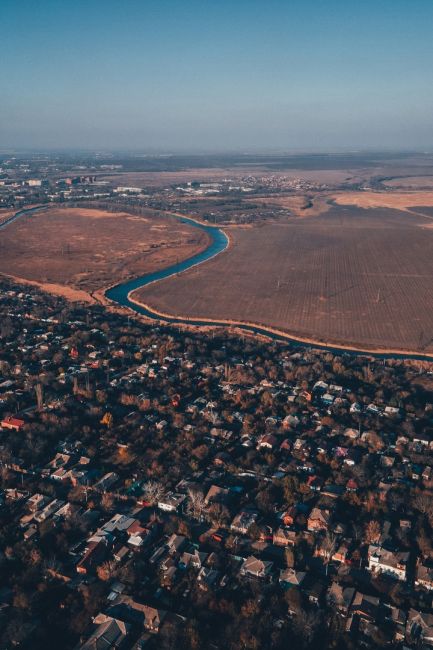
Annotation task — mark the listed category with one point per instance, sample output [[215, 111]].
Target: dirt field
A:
[[410, 182], [5, 214], [394, 200], [350, 276], [298, 205], [86, 250]]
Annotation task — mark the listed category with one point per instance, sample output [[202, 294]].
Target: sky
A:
[[216, 75]]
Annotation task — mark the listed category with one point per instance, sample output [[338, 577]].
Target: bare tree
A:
[[153, 492], [218, 514], [39, 390], [424, 504], [306, 625], [52, 565], [328, 547], [107, 502], [196, 504], [373, 531]]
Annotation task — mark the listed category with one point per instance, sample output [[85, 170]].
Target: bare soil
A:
[[351, 276], [85, 250]]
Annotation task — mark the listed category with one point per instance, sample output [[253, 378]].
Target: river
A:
[[218, 243]]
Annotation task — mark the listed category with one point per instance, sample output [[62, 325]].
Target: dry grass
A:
[[86, 250], [299, 205], [350, 276], [5, 214], [394, 200], [410, 182]]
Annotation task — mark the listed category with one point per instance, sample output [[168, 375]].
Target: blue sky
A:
[[216, 74]]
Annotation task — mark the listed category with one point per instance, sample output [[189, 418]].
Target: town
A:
[[162, 488]]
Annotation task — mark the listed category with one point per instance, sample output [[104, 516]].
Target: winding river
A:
[[120, 294]]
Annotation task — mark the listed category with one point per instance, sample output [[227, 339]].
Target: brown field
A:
[[298, 205], [86, 250], [351, 276], [410, 182], [162, 178], [5, 214], [394, 200]]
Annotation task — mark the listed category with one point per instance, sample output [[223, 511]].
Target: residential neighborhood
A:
[[164, 489]]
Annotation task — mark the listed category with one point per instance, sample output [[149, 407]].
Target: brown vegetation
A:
[[85, 250], [394, 200], [410, 182], [352, 276], [300, 205]]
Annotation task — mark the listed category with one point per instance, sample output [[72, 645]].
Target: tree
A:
[[289, 557], [328, 548], [373, 531], [196, 504], [105, 571], [153, 492], [306, 625], [218, 514], [39, 390], [107, 502], [423, 503]]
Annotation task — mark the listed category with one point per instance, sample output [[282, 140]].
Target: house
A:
[[255, 568], [268, 441], [193, 558], [207, 578], [107, 481], [419, 627], [12, 423], [291, 577], [109, 634], [351, 485], [288, 517], [394, 564], [94, 555], [397, 617], [37, 502], [175, 543], [243, 521], [216, 494], [171, 502], [365, 607], [49, 510], [318, 520], [341, 553], [424, 576], [284, 537], [133, 612]]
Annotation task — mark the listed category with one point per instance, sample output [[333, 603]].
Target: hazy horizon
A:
[[194, 77]]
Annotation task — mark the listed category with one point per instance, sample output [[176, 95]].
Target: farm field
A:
[[397, 200], [410, 182], [75, 251], [358, 277]]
